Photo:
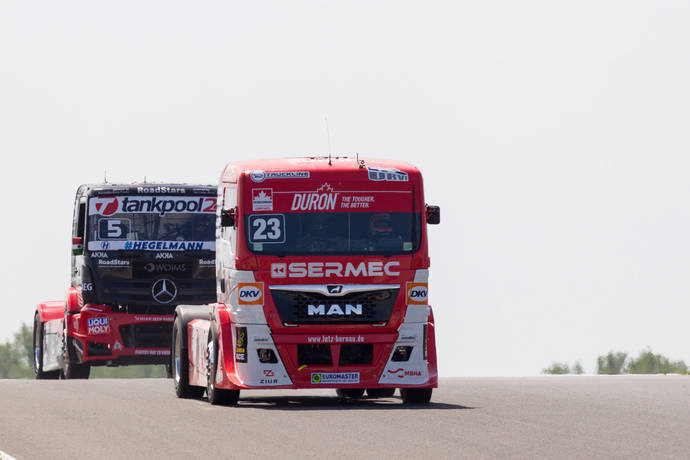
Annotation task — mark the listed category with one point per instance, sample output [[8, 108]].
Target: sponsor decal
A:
[[417, 293], [98, 326], [402, 373], [99, 255], [107, 206], [335, 339], [205, 262], [241, 345], [164, 290], [164, 255], [325, 378], [160, 190], [357, 202], [149, 318], [262, 199], [117, 262], [387, 174], [152, 352], [326, 269], [261, 339], [407, 338], [279, 270], [260, 176], [334, 309], [268, 381], [153, 246], [117, 345], [268, 373], [324, 199], [164, 268], [250, 293]]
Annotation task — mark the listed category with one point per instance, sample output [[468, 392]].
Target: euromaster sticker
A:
[[328, 378]]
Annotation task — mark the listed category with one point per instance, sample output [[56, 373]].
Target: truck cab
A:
[[138, 250], [322, 282]]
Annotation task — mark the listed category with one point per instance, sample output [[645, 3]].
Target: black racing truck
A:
[[138, 250]]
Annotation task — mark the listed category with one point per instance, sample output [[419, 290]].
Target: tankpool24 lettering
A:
[[107, 206]]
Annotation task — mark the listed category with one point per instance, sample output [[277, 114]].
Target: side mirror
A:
[[227, 217], [77, 246], [433, 215]]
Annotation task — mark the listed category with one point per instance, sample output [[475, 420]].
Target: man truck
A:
[[138, 250], [322, 282]]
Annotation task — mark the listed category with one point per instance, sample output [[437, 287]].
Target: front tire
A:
[[415, 395], [180, 365], [39, 373], [71, 369], [216, 396]]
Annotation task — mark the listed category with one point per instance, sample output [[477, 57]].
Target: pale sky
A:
[[554, 136]]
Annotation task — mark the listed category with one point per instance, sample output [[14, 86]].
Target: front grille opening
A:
[[147, 335], [356, 353], [313, 354], [266, 355], [402, 353], [358, 307], [98, 349]]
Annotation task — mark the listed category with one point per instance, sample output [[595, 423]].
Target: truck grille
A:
[[359, 307], [147, 335]]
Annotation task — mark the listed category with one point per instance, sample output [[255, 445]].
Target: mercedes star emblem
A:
[[164, 291]]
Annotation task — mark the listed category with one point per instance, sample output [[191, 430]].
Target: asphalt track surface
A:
[[525, 417]]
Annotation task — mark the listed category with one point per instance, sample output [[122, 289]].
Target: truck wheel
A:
[[415, 395], [216, 395], [380, 392], [39, 373], [180, 365], [350, 393], [71, 369]]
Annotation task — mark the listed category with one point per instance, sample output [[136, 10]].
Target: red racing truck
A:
[[322, 282], [138, 250]]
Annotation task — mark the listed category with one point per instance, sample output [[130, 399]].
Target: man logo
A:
[[417, 293], [164, 291], [250, 293], [335, 288]]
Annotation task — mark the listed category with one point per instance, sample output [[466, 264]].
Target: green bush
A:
[[612, 363], [649, 363]]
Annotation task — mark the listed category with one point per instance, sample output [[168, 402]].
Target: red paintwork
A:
[[50, 310]]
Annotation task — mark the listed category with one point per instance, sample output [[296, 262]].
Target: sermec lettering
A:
[[334, 309], [314, 201], [326, 269]]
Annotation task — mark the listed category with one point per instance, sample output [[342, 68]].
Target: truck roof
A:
[[147, 188], [312, 164]]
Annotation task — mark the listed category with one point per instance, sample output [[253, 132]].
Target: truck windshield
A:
[[383, 233], [113, 228]]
